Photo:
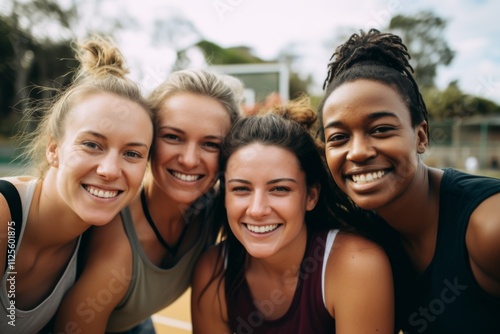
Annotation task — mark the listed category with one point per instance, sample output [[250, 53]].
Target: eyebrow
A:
[[103, 137], [183, 132], [373, 116], [274, 181]]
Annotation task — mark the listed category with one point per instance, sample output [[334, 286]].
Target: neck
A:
[[286, 263], [51, 222], [163, 209], [415, 215]]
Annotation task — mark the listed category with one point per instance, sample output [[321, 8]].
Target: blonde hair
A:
[[224, 88], [102, 69]]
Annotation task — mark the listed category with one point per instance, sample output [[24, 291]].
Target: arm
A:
[[208, 306], [5, 219], [359, 287], [102, 284], [482, 239]]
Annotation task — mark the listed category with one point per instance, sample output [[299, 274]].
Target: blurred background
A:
[[279, 49]]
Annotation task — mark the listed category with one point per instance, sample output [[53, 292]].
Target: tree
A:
[[452, 103], [27, 23], [35, 44], [423, 35], [178, 33], [217, 55]]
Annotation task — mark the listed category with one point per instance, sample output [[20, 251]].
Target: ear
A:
[[313, 196], [52, 153], [422, 138]]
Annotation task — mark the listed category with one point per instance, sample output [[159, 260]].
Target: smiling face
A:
[[98, 165], [190, 130], [371, 147], [266, 199]]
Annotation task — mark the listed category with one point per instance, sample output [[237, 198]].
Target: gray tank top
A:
[[32, 321], [152, 288]]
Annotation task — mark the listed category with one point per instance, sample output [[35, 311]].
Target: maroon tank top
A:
[[307, 313]]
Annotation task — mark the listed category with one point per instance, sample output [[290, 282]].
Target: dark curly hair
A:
[[380, 57]]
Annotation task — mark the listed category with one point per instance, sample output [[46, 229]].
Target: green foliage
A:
[[35, 53], [6, 70], [298, 86], [217, 55], [453, 103], [423, 35], [29, 69]]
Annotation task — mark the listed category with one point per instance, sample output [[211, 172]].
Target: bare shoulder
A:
[[208, 264], [208, 305], [206, 278], [482, 237], [351, 246], [356, 259], [4, 230], [108, 267], [485, 220], [358, 285]]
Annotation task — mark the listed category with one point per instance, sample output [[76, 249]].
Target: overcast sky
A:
[[267, 26]]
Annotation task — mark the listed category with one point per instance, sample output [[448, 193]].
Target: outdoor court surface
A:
[[176, 318]]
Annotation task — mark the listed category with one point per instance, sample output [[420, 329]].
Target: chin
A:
[[368, 205], [98, 219]]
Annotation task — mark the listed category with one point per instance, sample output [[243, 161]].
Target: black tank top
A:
[[446, 298]]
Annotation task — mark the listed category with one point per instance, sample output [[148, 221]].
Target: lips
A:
[[367, 177], [101, 193], [186, 177]]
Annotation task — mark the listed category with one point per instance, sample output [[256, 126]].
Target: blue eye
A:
[[90, 144]]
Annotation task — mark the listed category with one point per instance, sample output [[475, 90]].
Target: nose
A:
[[189, 157], [361, 149], [259, 206], [109, 167]]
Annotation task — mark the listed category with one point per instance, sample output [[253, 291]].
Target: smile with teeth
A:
[[368, 177], [262, 229], [101, 193], [186, 177]]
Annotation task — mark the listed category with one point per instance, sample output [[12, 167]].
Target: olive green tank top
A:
[[153, 288]]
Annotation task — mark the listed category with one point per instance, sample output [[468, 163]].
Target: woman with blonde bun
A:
[[89, 155]]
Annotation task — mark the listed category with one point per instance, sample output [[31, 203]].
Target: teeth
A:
[[185, 177], [101, 193], [369, 177], [262, 229]]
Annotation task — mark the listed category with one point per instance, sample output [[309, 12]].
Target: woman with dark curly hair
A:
[[446, 223]]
